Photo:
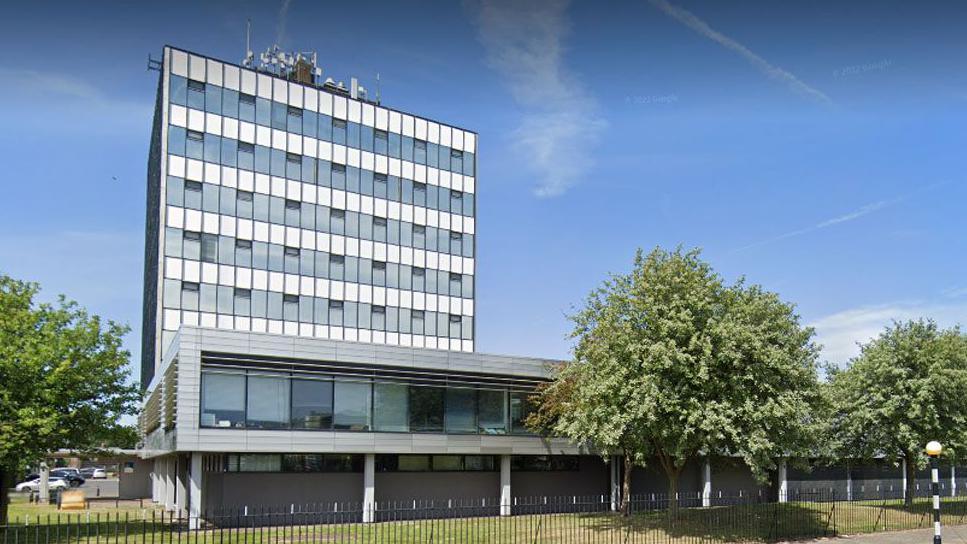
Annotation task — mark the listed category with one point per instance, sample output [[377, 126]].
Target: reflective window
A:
[[189, 295], [255, 462], [418, 325], [243, 301], [426, 409], [311, 404], [352, 406], [520, 408], [243, 253], [492, 411], [379, 318], [246, 108], [222, 400], [177, 90], [209, 248], [390, 401], [196, 94], [461, 410], [290, 307], [292, 260], [193, 192], [545, 463], [267, 402], [335, 312], [339, 131]]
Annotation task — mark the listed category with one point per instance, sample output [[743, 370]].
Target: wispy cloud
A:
[[280, 27], [89, 107], [561, 125], [841, 333], [699, 26], [33, 81], [955, 292]]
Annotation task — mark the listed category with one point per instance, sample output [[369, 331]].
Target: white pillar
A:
[[783, 482], [953, 481], [707, 482], [44, 492], [169, 476], [849, 483], [181, 485], [195, 483], [155, 481], [505, 497], [903, 467], [369, 488], [615, 474]]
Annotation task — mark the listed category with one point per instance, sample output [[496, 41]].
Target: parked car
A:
[[54, 482], [72, 476], [94, 472]]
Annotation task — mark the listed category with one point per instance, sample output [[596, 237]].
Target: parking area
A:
[[107, 487]]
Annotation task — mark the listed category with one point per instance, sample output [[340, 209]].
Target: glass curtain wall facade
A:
[[236, 399], [291, 209]]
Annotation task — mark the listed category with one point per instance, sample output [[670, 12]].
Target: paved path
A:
[[951, 535]]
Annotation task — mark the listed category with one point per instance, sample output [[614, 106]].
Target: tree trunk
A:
[[626, 486], [5, 482], [673, 491], [911, 467]]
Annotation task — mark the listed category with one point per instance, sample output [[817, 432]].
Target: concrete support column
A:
[[615, 482], [169, 475], [707, 482], [181, 485], [505, 496], [903, 468], [196, 472], [155, 481], [369, 488], [783, 481], [953, 481], [44, 493], [849, 483]]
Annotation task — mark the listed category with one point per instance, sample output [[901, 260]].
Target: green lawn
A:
[[747, 523]]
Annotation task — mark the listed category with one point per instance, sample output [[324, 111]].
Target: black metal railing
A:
[[653, 518]]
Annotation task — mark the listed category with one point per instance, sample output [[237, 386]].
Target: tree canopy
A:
[[64, 378], [672, 363], [908, 386]]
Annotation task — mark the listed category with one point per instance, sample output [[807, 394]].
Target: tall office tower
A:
[[309, 305], [283, 204]]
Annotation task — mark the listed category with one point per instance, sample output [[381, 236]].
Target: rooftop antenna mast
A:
[[377, 88], [249, 56]]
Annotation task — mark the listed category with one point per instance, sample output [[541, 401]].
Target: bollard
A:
[[933, 450]]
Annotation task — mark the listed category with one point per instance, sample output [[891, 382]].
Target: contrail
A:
[[862, 211], [855, 214], [280, 27], [691, 21]]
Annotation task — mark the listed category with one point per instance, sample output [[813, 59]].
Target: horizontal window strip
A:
[[424, 376], [231, 76], [194, 170], [248, 133], [278, 282], [335, 244]]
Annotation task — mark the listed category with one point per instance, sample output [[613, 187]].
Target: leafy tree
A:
[[672, 363], [63, 379], [908, 386]]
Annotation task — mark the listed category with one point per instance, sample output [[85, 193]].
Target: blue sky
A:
[[815, 147]]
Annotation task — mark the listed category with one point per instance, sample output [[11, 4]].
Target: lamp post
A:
[[933, 450]]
